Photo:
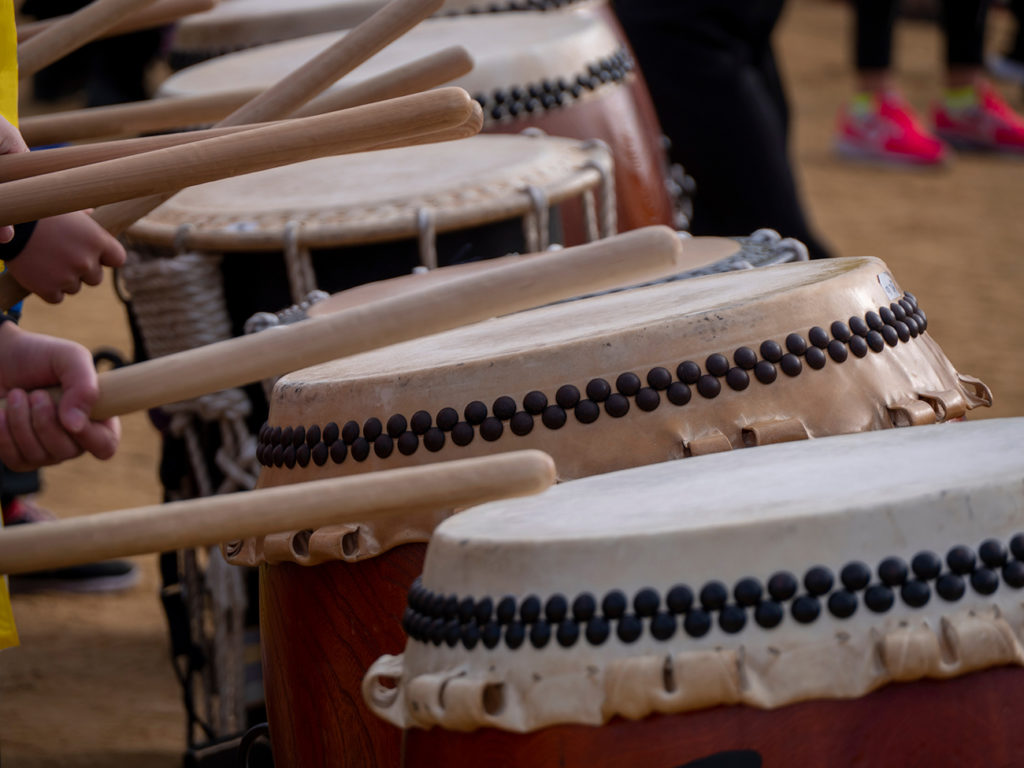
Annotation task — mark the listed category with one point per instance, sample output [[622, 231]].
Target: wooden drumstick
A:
[[180, 112], [159, 13], [205, 522], [28, 164], [73, 32], [289, 141], [620, 260]]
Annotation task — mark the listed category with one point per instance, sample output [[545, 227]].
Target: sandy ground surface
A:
[[92, 685]]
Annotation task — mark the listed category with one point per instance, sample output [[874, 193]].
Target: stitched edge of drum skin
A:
[[292, 446], [516, 101], [489, 621]]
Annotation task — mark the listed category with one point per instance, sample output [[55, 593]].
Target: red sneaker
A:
[[891, 133], [990, 125]]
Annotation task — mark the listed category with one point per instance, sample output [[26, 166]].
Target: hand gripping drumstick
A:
[[620, 260], [179, 112], [73, 32], [159, 13], [266, 146], [205, 522]]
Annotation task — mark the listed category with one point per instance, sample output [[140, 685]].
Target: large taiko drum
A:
[[625, 379], [567, 74], [850, 601]]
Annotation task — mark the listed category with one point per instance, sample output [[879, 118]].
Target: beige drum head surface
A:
[[507, 50], [374, 196]]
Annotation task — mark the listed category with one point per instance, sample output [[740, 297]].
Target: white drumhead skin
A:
[[370, 196], [507, 50], [724, 518]]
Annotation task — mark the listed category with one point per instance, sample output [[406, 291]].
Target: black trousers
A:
[[711, 72], [963, 22]]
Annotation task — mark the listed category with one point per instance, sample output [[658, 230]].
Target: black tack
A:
[[713, 595], [765, 372], [598, 630], [483, 610], [598, 390], [553, 417], [745, 358], [732, 618], [584, 607], [782, 586], [647, 399], [874, 321], [616, 405], [587, 411], [892, 338], [875, 340], [768, 614], [679, 598], [912, 324], [806, 609], [837, 351], [506, 609], [447, 418], [818, 580], [320, 454], [299, 436], [737, 379], [614, 604], [960, 559], [408, 443], [818, 336], [985, 581], [858, 346], [992, 553], [879, 598], [490, 635], [629, 628], [663, 625], [360, 449], [697, 623], [709, 386], [372, 428], [858, 326], [908, 308], [842, 604], [892, 571], [383, 446], [855, 576], [286, 436], [436, 631], [313, 436], [628, 384], [688, 372], [1017, 546], [466, 607], [521, 424], [302, 455], [515, 634], [950, 587], [451, 607], [902, 330], [815, 358], [659, 378], [1013, 574], [747, 591], [289, 457], [420, 422], [475, 412], [771, 351], [915, 593], [887, 315], [338, 452], [556, 608], [529, 609], [491, 429], [922, 320], [678, 393], [791, 365], [717, 365], [504, 407], [840, 330], [264, 430], [436, 605], [540, 634], [795, 344], [462, 434], [277, 456], [926, 565], [535, 402], [567, 396], [898, 310], [434, 439], [396, 425], [646, 602], [567, 634]]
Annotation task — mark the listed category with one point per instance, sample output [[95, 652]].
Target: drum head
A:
[[508, 50], [375, 196]]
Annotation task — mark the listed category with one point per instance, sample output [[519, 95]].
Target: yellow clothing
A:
[[9, 109]]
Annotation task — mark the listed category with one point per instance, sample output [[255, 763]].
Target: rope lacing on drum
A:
[[426, 228], [298, 262], [536, 226], [607, 221], [298, 312]]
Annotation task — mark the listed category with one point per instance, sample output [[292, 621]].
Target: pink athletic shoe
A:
[[891, 133], [990, 125]]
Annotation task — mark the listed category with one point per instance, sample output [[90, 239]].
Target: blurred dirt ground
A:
[[91, 684]]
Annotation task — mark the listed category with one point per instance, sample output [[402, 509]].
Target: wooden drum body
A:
[[566, 73], [853, 600], [604, 383]]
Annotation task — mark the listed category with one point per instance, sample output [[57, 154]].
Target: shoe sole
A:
[[967, 144], [27, 584], [866, 156]]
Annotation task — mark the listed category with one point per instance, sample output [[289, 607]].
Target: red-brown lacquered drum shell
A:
[[321, 627], [972, 720]]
